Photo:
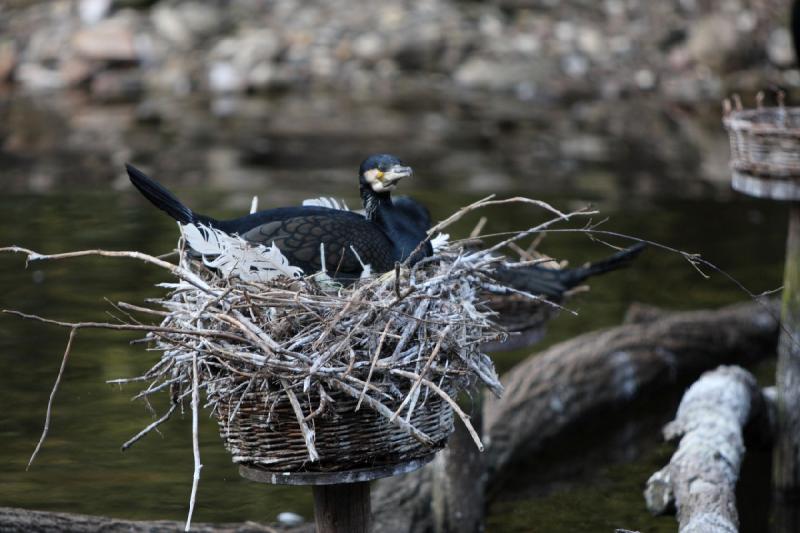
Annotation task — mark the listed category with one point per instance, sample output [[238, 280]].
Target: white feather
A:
[[440, 241], [326, 201], [366, 269], [233, 256]]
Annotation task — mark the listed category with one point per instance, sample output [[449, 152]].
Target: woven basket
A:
[[264, 432], [765, 151]]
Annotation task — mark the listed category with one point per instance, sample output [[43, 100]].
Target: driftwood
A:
[[550, 392], [700, 479], [24, 520], [547, 394]]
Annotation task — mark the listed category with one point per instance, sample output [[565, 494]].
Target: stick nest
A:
[[304, 374]]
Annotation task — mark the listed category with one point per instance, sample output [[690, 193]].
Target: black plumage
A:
[[379, 239]]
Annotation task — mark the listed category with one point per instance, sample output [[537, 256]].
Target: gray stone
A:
[[779, 48], [8, 60], [117, 85], [184, 24], [110, 40], [712, 40], [93, 11], [290, 519]]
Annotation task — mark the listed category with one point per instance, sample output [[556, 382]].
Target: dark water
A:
[[81, 469]]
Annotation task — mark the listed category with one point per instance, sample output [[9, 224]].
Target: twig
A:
[[133, 440], [175, 270], [422, 372], [195, 441], [446, 397], [372, 364], [308, 434], [52, 396]]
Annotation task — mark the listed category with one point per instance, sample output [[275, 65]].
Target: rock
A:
[[75, 71], [712, 40], [169, 25], [575, 65], [367, 46], [38, 78], [8, 60], [93, 11], [111, 40], [645, 79], [186, 23], [117, 85], [779, 48], [223, 77], [290, 519], [244, 61], [591, 42]]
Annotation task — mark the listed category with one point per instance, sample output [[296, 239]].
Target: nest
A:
[[305, 374], [765, 151]]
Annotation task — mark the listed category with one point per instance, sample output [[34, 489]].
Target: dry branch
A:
[[701, 476], [550, 392]]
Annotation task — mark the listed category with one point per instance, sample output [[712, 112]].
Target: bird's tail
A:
[[160, 196], [621, 259]]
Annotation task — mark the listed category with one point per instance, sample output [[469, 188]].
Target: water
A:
[[65, 193]]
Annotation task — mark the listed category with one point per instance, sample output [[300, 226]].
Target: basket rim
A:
[[742, 120]]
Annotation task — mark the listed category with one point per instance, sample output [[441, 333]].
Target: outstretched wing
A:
[[302, 240]]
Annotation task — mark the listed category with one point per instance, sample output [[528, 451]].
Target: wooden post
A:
[[342, 508], [341, 499], [786, 459]]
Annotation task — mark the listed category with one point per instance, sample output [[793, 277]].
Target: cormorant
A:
[[380, 238]]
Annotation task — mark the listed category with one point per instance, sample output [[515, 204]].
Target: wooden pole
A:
[[342, 508], [786, 463]]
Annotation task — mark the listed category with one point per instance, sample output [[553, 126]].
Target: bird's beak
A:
[[396, 173]]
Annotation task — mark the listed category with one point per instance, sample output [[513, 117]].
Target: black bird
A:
[[380, 238]]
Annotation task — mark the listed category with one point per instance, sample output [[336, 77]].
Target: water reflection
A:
[[466, 144]]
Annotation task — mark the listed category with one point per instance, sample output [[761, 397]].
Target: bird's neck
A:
[[380, 209], [376, 205]]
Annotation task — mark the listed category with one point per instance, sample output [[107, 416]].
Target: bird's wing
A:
[[300, 238]]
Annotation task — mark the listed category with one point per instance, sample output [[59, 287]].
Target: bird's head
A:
[[381, 172]]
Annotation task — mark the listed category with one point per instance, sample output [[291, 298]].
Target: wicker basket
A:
[[264, 432], [765, 151]]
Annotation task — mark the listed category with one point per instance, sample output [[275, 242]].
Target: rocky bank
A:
[[539, 50]]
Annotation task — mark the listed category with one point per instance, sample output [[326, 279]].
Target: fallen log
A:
[[549, 393], [12, 519], [700, 479]]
